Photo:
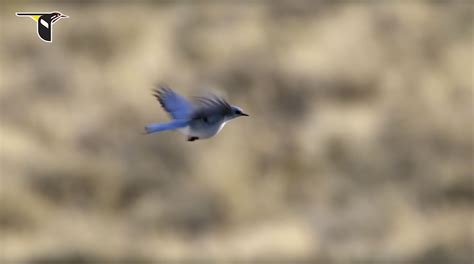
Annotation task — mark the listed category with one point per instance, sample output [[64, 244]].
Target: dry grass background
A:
[[359, 146]]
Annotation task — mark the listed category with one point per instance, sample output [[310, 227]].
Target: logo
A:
[[44, 23]]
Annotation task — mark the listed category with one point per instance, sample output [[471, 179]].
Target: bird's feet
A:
[[192, 138]]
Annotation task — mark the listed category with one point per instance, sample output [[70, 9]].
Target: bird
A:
[[201, 118], [44, 23]]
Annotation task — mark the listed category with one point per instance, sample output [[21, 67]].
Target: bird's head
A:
[[55, 16], [237, 112]]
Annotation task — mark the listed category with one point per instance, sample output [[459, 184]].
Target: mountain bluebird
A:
[[201, 119]]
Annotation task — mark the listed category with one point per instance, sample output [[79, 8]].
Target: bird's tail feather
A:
[[154, 128]]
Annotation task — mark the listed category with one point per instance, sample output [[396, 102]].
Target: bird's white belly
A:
[[202, 132]]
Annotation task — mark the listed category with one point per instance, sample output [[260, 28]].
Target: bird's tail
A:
[[154, 128]]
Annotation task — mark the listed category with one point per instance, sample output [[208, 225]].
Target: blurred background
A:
[[359, 146]]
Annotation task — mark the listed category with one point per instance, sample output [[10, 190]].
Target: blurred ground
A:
[[359, 146]]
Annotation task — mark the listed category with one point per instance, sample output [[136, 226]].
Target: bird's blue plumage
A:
[[202, 119], [177, 106], [175, 124]]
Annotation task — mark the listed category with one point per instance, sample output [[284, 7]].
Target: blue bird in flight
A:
[[200, 119]]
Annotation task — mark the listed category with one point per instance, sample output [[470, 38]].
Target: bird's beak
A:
[[62, 15], [244, 114]]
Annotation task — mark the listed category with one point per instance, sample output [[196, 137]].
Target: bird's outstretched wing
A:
[[176, 105], [210, 105]]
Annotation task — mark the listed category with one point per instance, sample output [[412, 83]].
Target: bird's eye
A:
[[238, 112]]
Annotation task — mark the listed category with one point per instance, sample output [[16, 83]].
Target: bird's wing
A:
[[210, 105], [176, 105]]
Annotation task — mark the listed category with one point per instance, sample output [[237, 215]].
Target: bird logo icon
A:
[[44, 22]]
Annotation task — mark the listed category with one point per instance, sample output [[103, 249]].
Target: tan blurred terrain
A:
[[359, 146]]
